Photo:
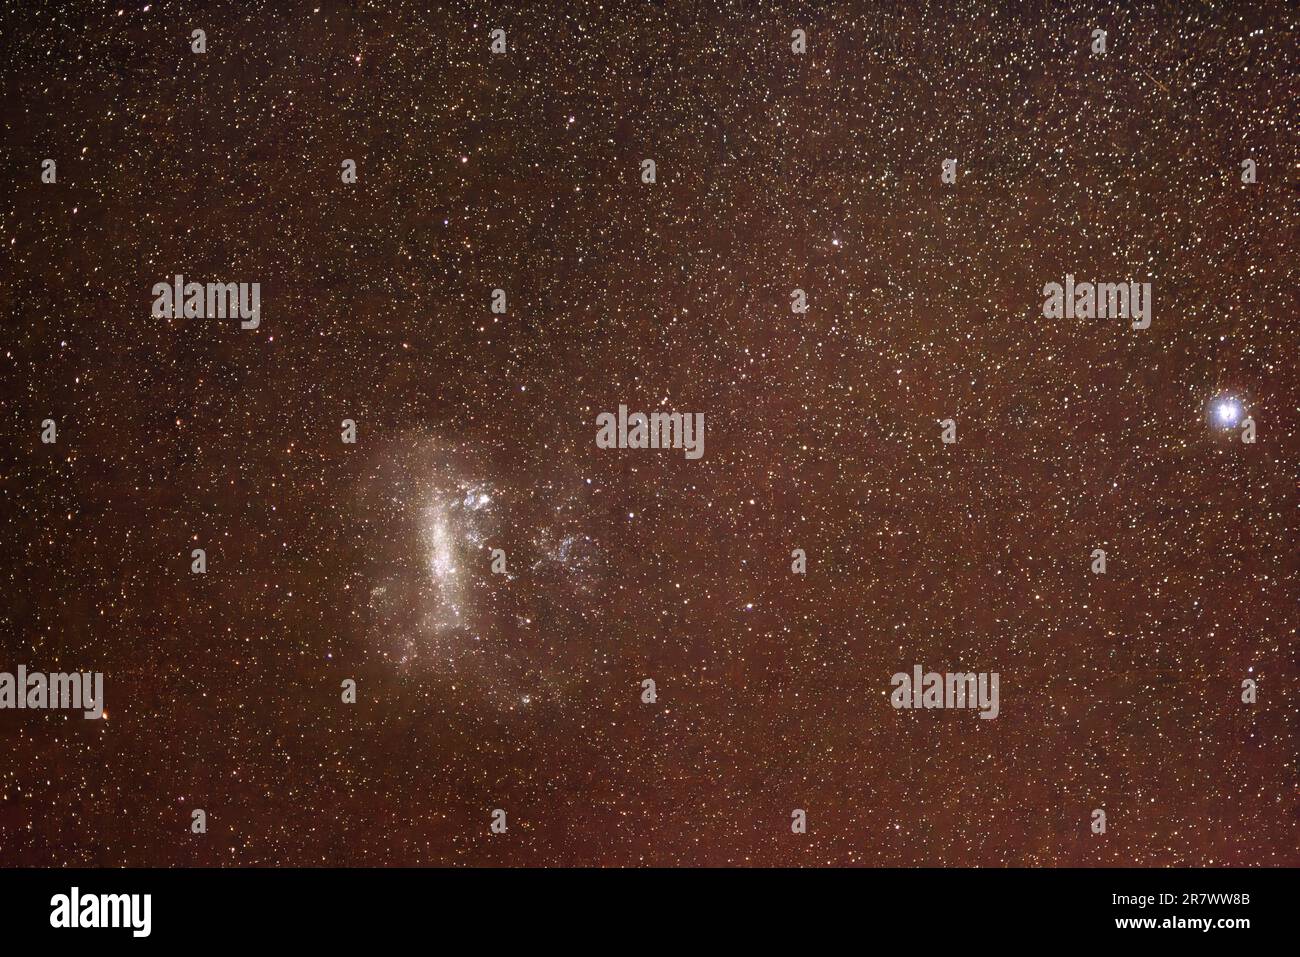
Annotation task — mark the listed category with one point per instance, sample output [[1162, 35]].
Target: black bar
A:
[[657, 908]]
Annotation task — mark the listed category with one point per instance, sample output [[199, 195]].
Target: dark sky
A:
[[775, 171]]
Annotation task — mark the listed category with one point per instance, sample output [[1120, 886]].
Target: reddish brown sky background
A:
[[775, 171]]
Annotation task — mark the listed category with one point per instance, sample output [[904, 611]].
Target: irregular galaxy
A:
[[523, 691]]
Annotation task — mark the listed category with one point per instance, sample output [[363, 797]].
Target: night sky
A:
[[775, 171]]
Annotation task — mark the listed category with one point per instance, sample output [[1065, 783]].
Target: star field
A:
[[775, 171]]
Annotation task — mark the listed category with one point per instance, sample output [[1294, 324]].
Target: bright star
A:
[[1228, 411]]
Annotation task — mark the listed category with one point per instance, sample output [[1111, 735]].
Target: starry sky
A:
[[523, 691]]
